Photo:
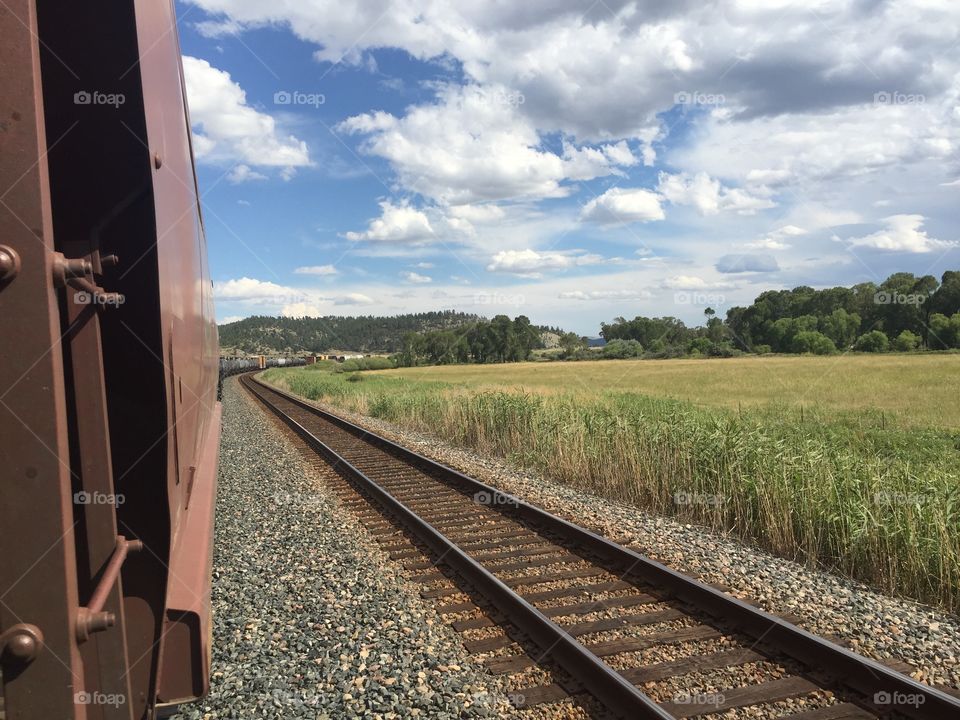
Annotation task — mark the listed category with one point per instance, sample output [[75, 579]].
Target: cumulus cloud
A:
[[623, 205], [605, 72], [850, 142], [396, 224], [322, 270], [465, 148], [709, 196], [242, 173], [227, 129], [256, 291], [587, 163], [903, 233], [530, 263], [301, 309], [747, 262], [416, 278]]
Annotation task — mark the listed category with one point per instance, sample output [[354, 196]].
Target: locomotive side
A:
[[109, 420]]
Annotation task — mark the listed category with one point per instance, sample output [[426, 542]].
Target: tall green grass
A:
[[851, 492]]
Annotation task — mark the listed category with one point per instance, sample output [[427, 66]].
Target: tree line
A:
[[369, 334], [904, 312], [498, 340]]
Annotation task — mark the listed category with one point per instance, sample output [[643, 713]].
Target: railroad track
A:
[[566, 613]]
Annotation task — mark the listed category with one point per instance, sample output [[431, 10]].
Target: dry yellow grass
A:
[[916, 389]]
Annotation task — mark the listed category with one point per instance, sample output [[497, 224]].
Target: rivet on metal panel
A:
[[9, 263], [157, 161], [109, 260], [21, 643]]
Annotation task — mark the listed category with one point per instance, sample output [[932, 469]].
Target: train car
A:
[[109, 420]]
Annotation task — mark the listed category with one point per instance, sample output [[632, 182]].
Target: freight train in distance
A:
[[109, 420]]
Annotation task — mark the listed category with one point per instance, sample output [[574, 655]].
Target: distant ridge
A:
[[368, 333]]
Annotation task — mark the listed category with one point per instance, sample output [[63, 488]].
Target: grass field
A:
[[918, 390], [865, 479]]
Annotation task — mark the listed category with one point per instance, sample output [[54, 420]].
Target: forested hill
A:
[[308, 334]]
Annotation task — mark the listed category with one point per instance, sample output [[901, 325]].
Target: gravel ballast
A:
[[311, 620], [881, 627]]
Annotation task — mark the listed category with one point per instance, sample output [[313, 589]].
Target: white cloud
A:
[[396, 224], [477, 214], [231, 319], [301, 309], [622, 205], [530, 263], [353, 298], [587, 163], [424, 265], [605, 295], [242, 173], [775, 239], [230, 130], [903, 233], [709, 196], [465, 148], [322, 270], [256, 291], [416, 278], [690, 282], [848, 143]]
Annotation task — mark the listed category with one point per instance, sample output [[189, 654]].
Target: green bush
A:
[[873, 341], [367, 363], [762, 349], [906, 341], [619, 349], [811, 341]]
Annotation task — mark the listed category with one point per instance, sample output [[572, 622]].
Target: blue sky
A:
[[568, 161]]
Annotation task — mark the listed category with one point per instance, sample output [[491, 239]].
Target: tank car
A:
[[109, 420]]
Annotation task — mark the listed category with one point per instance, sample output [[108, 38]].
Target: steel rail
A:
[[608, 686], [845, 668]]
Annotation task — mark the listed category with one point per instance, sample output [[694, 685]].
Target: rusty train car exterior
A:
[[109, 420]]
